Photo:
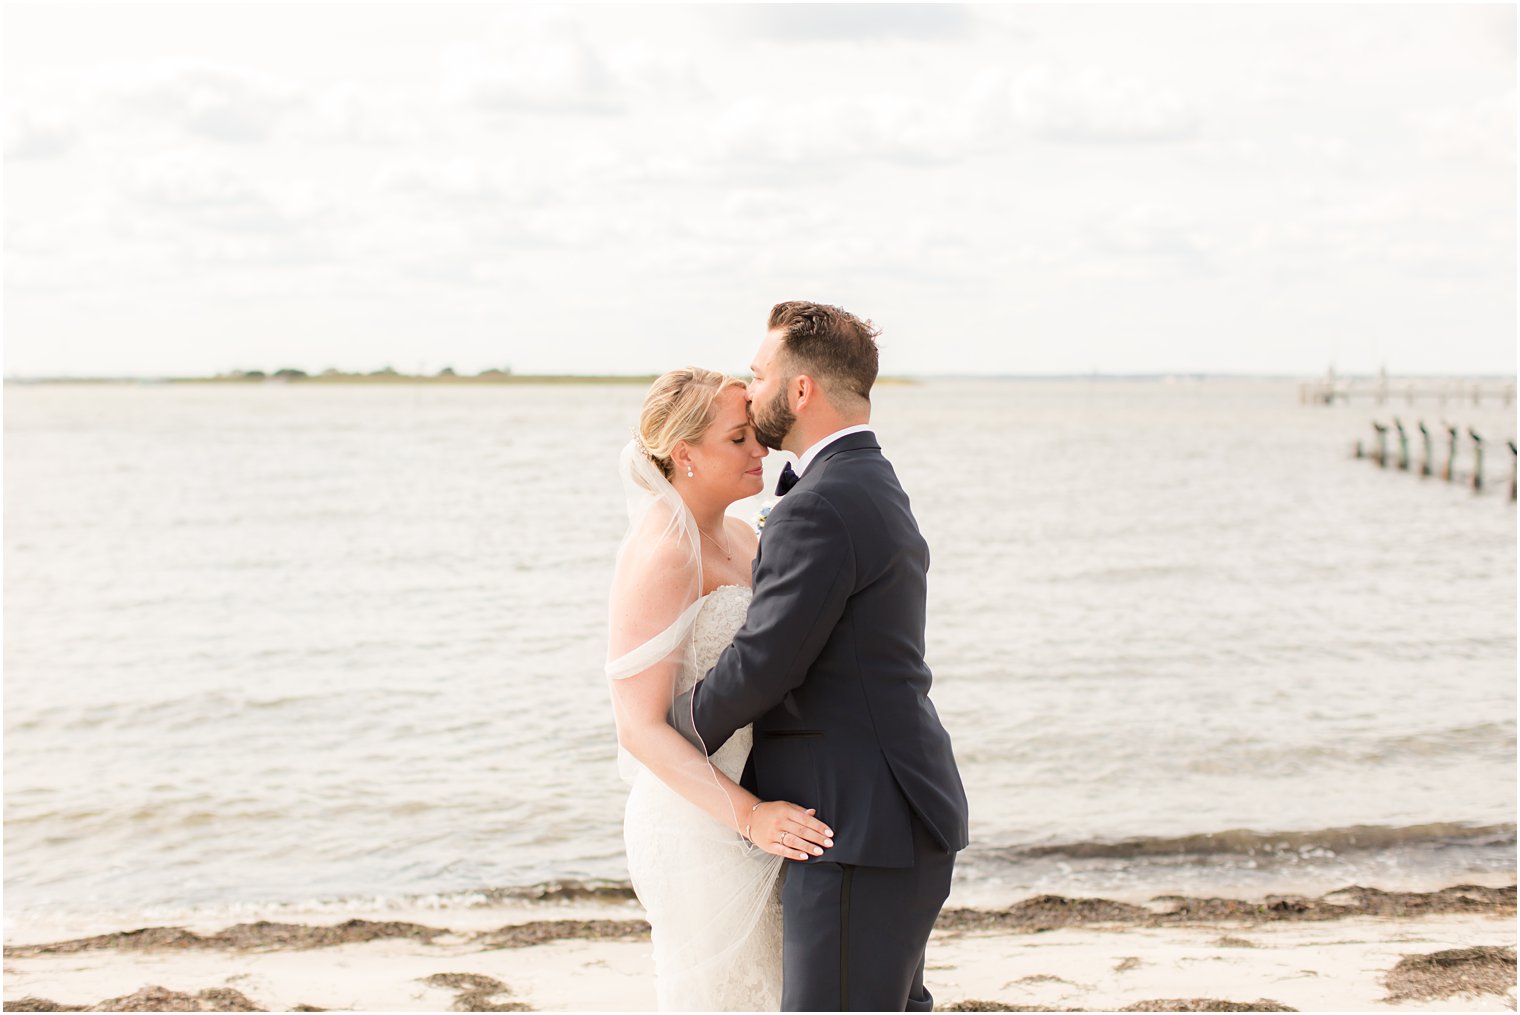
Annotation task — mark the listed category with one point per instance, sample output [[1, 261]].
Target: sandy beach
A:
[[1359, 948]]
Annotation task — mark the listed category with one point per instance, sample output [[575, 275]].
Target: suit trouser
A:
[[853, 936]]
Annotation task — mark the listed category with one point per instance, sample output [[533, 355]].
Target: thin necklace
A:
[[726, 553]]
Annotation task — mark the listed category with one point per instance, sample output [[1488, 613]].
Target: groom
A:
[[829, 666]]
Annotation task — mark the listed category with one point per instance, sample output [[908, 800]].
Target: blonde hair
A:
[[679, 407]]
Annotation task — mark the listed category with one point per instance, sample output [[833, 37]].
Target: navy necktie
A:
[[787, 481]]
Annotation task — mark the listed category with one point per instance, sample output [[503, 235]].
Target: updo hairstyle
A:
[[679, 407]]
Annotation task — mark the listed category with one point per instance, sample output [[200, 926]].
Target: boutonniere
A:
[[765, 512]]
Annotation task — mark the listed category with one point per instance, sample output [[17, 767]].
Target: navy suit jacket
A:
[[829, 665]]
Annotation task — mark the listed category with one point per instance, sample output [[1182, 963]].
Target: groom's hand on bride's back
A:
[[788, 831]]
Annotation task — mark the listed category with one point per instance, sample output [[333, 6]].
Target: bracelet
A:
[[752, 811]]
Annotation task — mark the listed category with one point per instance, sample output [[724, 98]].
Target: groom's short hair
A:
[[829, 344]]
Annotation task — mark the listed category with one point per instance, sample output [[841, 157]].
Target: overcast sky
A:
[[1017, 189]]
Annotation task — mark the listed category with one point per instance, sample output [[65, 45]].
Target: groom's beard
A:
[[773, 421]]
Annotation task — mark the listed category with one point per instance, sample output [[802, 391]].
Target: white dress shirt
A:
[[812, 452]]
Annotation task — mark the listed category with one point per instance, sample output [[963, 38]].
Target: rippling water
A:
[[270, 643]]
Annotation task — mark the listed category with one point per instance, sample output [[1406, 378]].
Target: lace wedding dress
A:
[[713, 900]]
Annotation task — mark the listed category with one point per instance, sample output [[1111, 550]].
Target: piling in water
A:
[[1382, 437], [1403, 445], [1511, 470], [1427, 461], [1477, 480]]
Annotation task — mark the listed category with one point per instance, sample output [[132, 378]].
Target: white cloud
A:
[[279, 251], [348, 113], [1479, 131], [217, 103], [1032, 159], [189, 210], [1095, 106], [232, 105], [199, 189], [658, 72], [90, 247], [1148, 239], [541, 65], [845, 22], [458, 181], [34, 135], [487, 209], [770, 141]]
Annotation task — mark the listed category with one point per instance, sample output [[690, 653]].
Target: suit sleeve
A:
[[805, 575]]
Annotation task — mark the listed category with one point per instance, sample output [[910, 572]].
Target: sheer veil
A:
[[713, 885], [652, 613]]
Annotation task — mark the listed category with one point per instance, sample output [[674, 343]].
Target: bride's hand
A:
[[788, 831]]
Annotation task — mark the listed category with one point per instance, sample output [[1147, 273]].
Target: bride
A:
[[704, 854]]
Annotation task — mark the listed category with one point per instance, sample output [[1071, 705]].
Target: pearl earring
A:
[[689, 473]]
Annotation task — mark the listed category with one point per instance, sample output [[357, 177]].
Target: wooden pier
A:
[[1382, 390]]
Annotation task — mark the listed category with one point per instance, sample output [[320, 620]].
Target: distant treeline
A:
[[447, 375], [385, 375]]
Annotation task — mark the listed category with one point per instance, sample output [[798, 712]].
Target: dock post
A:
[[1451, 452], [1511, 470], [1425, 438], [1403, 444], [1477, 480], [1382, 437]]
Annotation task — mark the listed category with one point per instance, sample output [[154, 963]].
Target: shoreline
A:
[[598, 898], [1235, 862], [1358, 947]]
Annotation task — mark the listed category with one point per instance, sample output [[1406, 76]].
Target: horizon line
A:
[[492, 373]]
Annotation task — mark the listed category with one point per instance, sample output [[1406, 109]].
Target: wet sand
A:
[[1357, 948]]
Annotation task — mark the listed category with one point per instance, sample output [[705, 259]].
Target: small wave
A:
[[565, 891], [1246, 842], [1460, 740]]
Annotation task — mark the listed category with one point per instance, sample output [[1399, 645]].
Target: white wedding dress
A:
[[713, 900]]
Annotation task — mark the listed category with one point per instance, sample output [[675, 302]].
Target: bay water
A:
[[317, 644]]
